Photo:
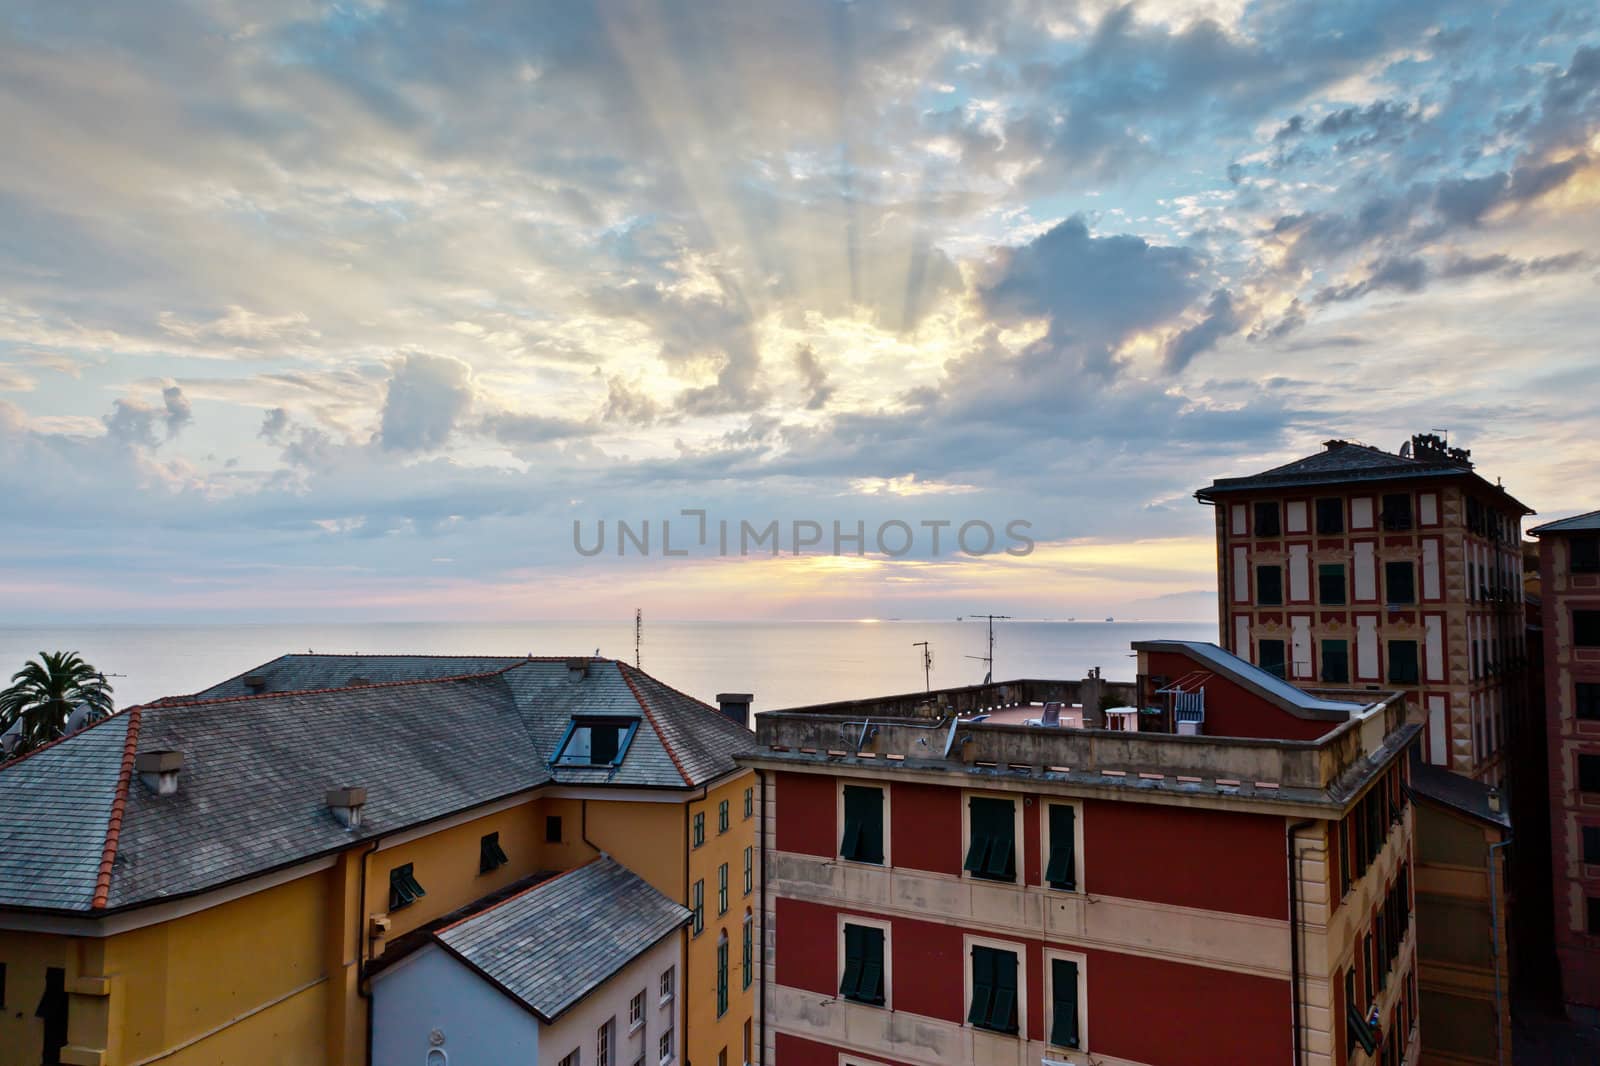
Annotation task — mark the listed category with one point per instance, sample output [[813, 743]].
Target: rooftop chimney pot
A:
[[158, 770], [255, 682], [735, 707], [577, 668], [346, 804]]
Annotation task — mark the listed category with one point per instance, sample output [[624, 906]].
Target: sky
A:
[[371, 310]]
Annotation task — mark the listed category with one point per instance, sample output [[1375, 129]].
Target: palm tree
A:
[[44, 693]]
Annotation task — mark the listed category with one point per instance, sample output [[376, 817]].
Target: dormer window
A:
[[596, 741]]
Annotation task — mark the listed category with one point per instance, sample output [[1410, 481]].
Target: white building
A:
[[579, 969]]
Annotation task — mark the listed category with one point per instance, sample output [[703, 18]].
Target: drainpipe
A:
[[1494, 946], [1290, 836], [759, 1052], [680, 1003], [362, 946]]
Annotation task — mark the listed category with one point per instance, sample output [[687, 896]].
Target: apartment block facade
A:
[[952, 890], [1569, 580], [1360, 567]]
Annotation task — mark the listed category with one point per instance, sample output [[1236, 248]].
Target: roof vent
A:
[[735, 707], [346, 805], [255, 682], [577, 668], [158, 770], [358, 681]]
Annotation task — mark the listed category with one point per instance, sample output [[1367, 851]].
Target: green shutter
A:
[[863, 825], [982, 986], [851, 985], [992, 851], [1358, 1029], [1062, 870], [871, 987], [1004, 1014], [1064, 994]]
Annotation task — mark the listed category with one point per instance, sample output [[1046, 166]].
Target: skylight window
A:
[[596, 741]]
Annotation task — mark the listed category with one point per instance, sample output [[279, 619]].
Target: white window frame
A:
[[1050, 955], [666, 1038], [838, 827], [1017, 834], [667, 985], [604, 1036], [888, 958], [1044, 844], [749, 869], [1015, 947], [572, 1058], [636, 1012]]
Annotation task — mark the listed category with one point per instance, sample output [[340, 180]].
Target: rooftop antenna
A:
[[638, 634], [987, 660], [927, 663]]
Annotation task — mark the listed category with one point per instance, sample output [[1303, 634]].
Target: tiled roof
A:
[[1578, 523], [1438, 785], [256, 767], [1345, 461], [553, 944], [1296, 701]]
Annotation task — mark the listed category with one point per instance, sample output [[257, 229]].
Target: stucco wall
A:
[[431, 990]]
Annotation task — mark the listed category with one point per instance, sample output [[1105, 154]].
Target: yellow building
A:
[[204, 880]]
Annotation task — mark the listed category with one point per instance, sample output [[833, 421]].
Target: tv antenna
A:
[[927, 663], [638, 635], [987, 660]]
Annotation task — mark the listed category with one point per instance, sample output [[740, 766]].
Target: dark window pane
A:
[[1589, 773], [1586, 697], [863, 824], [863, 966], [1267, 520], [1594, 916], [1270, 657], [1064, 1003], [1403, 661], [1330, 584], [1335, 660], [1585, 555], [1591, 844], [490, 855], [52, 1010], [1061, 871], [1397, 511], [1586, 629], [1330, 516], [1269, 585], [1399, 583], [991, 852], [552, 829]]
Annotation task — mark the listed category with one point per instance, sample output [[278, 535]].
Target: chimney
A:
[[1090, 691], [735, 707], [1494, 800], [158, 770], [346, 804], [255, 682], [577, 669]]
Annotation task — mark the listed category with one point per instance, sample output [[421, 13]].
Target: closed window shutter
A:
[[1004, 1014], [1061, 871], [1064, 993], [871, 987], [982, 986], [993, 848], [852, 961], [863, 825], [978, 848]]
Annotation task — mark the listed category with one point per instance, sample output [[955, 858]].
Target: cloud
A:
[[274, 424], [427, 396], [1222, 319], [814, 377], [1401, 274], [177, 407]]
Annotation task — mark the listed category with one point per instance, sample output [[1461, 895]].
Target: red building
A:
[[1569, 581], [1358, 566], [941, 888]]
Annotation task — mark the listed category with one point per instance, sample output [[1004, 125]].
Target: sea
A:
[[783, 663]]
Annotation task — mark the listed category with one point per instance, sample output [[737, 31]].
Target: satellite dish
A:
[[81, 716], [1405, 450], [950, 741], [11, 738]]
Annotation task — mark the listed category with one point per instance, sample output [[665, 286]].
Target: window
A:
[[2, 984], [749, 870], [636, 1012], [552, 829], [602, 1042], [722, 817], [1357, 1033], [992, 849], [572, 1058], [664, 1046], [1594, 916], [1586, 698], [699, 908], [1585, 555], [1330, 516], [52, 1010], [1061, 871], [1589, 773], [667, 976], [1399, 583], [863, 964], [722, 1057], [403, 888], [596, 741], [722, 889], [490, 855], [722, 974], [1269, 653], [749, 802], [1586, 629], [699, 829], [1335, 660], [748, 949], [749, 1043], [1269, 586], [1397, 510], [1267, 519], [994, 990], [863, 825], [1064, 1003], [1330, 584], [1403, 661]]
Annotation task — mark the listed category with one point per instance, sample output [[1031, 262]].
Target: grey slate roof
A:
[[1435, 783], [553, 944], [55, 809], [1296, 701], [1579, 523], [1345, 461], [256, 767]]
